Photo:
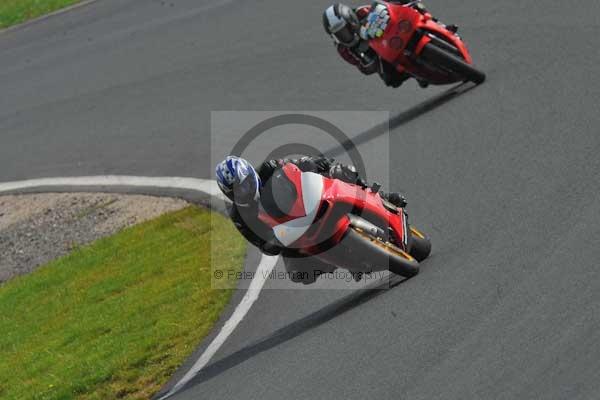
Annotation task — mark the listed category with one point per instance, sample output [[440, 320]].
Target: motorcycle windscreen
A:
[[312, 190], [279, 195]]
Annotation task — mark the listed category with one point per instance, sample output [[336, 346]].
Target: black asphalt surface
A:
[[505, 178]]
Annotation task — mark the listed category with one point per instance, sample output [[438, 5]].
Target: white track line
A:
[[207, 186], [267, 263]]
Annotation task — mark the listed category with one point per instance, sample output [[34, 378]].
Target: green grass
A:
[[115, 319], [16, 11]]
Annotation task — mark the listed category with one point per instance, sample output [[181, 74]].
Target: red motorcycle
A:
[[345, 225], [415, 42]]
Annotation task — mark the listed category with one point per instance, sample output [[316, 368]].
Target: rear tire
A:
[[443, 59], [372, 251]]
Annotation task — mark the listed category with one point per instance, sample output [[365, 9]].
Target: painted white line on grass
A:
[[207, 186]]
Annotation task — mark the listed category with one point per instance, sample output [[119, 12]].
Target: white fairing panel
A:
[[312, 189]]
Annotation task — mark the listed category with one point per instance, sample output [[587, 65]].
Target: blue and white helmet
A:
[[238, 180]]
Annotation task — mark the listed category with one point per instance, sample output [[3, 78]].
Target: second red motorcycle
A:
[[416, 43]]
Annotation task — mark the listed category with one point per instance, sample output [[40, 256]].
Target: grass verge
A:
[[116, 318], [14, 12]]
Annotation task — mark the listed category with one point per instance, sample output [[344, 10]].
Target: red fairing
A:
[[336, 200], [364, 203]]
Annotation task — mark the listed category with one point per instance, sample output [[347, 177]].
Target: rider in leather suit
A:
[[245, 208], [351, 29], [347, 28]]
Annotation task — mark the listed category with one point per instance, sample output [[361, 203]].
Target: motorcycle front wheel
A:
[[377, 252], [441, 58], [419, 244]]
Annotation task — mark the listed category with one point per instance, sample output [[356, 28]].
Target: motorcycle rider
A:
[[247, 188], [351, 30]]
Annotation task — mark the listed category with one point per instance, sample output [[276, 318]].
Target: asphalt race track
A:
[[505, 178]]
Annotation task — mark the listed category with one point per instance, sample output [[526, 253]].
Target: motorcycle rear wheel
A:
[[377, 252], [439, 57]]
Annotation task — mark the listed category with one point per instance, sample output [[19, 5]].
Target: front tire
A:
[[375, 252], [438, 57], [420, 245]]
